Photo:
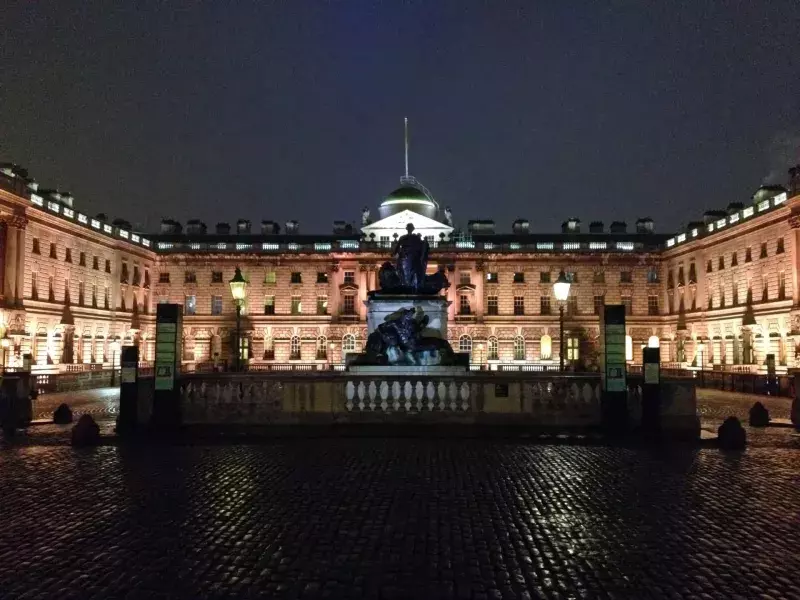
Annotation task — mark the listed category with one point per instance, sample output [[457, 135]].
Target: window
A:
[[599, 277], [544, 305], [68, 255], [82, 259], [599, 303], [763, 253], [782, 285], [628, 347], [350, 277], [322, 305], [163, 278], [96, 263], [492, 278], [105, 298], [735, 293], [652, 275], [294, 348], [721, 263], [147, 279], [322, 277], [572, 305], [465, 344], [519, 305], [190, 305], [710, 301], [137, 276], [80, 293], [652, 305], [296, 277], [94, 295], [66, 292], [122, 306], [269, 305], [53, 253], [572, 276], [216, 276], [349, 304], [721, 297], [546, 343], [626, 277], [748, 255], [35, 248], [544, 277], [216, 305], [573, 348], [779, 249], [297, 305], [519, 348], [34, 287], [709, 266], [188, 276], [764, 288], [348, 343], [670, 281], [692, 273], [734, 259], [627, 302], [108, 266], [465, 278], [492, 349], [491, 305], [322, 348], [519, 277], [270, 277], [463, 304]]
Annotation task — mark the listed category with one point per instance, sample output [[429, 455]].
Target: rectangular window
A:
[[652, 275], [779, 249], [80, 293], [573, 348], [216, 276], [544, 277], [763, 253], [108, 266], [572, 276], [216, 305], [123, 276], [137, 276], [269, 305], [68, 255], [735, 294], [67, 297], [748, 254], [491, 305], [34, 286], [296, 277], [721, 297], [163, 278], [322, 305], [709, 266], [190, 305], [492, 278], [544, 305], [519, 277], [297, 305], [721, 263], [599, 303], [95, 263], [465, 278], [350, 277], [82, 259], [734, 259], [105, 299], [599, 277], [349, 305], [626, 277], [572, 305], [94, 295], [35, 249], [190, 277], [627, 302], [463, 304], [519, 305], [270, 277], [53, 253], [692, 273], [781, 285], [652, 305], [322, 277]]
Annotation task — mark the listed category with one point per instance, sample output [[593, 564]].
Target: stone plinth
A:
[[427, 370], [435, 307]]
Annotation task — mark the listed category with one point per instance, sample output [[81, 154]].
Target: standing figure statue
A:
[[365, 220], [412, 260]]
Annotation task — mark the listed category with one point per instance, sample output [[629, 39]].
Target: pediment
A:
[[401, 219]]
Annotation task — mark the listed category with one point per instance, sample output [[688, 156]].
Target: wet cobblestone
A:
[[398, 519]]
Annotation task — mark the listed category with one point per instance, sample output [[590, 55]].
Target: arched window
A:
[[547, 347], [465, 344], [322, 347], [348, 344], [653, 342], [493, 354], [628, 347], [294, 348], [519, 348]]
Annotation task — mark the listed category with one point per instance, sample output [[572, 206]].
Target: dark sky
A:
[[279, 110]]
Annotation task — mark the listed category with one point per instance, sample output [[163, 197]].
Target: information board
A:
[[167, 345], [613, 337]]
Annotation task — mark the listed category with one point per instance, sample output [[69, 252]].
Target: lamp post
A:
[[5, 344], [238, 291], [561, 291], [114, 350]]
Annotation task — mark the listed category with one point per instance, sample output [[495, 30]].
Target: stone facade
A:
[[75, 286]]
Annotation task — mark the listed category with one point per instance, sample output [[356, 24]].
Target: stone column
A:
[[20, 274], [10, 262]]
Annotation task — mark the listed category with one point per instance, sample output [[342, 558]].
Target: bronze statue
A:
[[399, 341], [407, 275]]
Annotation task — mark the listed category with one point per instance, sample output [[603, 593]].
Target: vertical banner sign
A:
[[168, 345], [612, 335]]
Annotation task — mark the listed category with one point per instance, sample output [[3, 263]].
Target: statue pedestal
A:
[[380, 306]]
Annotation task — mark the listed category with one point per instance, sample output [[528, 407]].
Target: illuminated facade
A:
[[721, 293]]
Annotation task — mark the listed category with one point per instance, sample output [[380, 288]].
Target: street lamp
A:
[[114, 349], [5, 344], [238, 291], [561, 290]]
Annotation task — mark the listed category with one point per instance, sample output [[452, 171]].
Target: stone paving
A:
[[398, 519], [102, 403]]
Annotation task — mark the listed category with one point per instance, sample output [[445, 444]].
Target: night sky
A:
[[281, 110]]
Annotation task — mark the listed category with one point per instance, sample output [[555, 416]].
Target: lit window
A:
[[294, 348], [573, 348], [216, 305], [628, 347], [465, 344], [349, 304], [269, 305], [190, 305], [547, 347], [322, 305], [492, 349], [348, 343], [297, 305], [519, 348]]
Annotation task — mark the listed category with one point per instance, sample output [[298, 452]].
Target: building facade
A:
[[722, 294]]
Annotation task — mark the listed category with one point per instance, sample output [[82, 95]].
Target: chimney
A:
[[223, 229], [243, 226], [596, 227], [270, 228], [644, 225], [195, 227], [794, 181], [169, 226], [480, 226], [572, 225], [121, 223], [618, 227], [735, 207], [712, 215], [292, 227], [520, 226]]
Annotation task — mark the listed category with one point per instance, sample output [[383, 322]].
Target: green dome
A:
[[410, 198]]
